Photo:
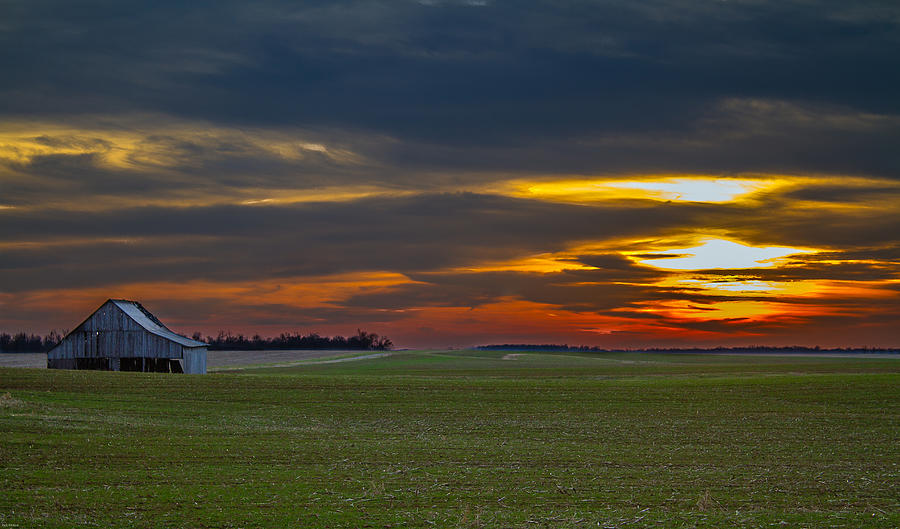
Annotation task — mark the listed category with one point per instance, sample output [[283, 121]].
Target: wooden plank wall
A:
[[109, 332], [195, 360]]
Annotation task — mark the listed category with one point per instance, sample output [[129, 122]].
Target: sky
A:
[[449, 173]]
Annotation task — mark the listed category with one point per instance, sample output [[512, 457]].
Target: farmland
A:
[[458, 439]]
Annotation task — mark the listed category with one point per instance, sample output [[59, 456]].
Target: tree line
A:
[[29, 343], [34, 343], [362, 340]]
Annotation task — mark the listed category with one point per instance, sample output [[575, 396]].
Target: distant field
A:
[[458, 439], [216, 359]]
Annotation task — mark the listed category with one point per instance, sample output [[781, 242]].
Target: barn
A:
[[124, 336]]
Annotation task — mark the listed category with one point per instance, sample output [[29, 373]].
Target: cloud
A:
[[843, 193], [798, 270], [418, 233], [668, 78], [150, 158], [774, 221], [410, 234]]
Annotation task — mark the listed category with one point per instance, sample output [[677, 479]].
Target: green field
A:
[[459, 439]]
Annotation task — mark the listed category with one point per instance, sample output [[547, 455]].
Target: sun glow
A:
[[738, 286], [677, 189], [694, 189], [719, 254], [683, 309]]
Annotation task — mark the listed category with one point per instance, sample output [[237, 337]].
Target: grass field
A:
[[459, 439]]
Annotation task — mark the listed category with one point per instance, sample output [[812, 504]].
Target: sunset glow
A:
[[696, 189], [718, 253]]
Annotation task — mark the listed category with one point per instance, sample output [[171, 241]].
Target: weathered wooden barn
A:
[[123, 336]]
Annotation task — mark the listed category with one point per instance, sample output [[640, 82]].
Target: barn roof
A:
[[148, 321]]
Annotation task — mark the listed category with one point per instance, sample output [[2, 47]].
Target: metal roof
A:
[[148, 321]]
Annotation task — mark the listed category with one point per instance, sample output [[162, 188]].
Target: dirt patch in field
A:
[[512, 356]]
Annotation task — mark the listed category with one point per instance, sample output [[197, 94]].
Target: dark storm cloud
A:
[[574, 290], [164, 164], [419, 219], [290, 316], [841, 271], [783, 223], [630, 79], [837, 193], [412, 235], [889, 252], [421, 233]]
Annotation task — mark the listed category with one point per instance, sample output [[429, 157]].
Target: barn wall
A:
[[111, 318], [195, 360], [109, 333], [123, 344]]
